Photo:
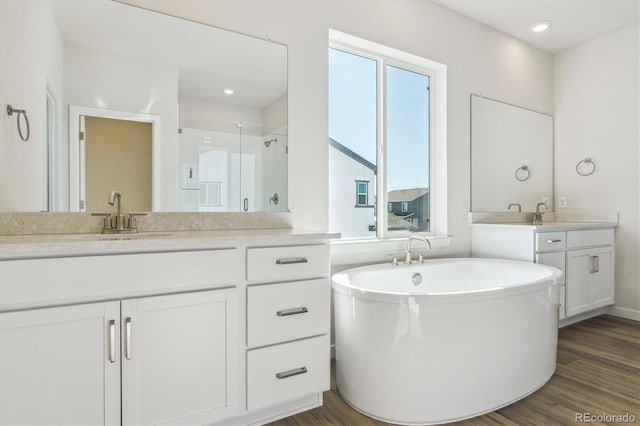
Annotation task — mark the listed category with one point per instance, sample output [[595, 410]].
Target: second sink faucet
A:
[[536, 218], [407, 253], [515, 205]]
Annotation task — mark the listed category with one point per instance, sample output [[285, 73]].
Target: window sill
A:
[[364, 206], [375, 250]]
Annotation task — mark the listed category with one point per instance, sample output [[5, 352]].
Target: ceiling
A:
[[574, 21]]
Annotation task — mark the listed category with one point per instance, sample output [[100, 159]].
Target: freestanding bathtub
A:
[[444, 340]]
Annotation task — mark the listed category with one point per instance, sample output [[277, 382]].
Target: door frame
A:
[[76, 161]]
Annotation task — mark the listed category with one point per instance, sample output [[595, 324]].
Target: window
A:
[[210, 193], [362, 193], [382, 131]]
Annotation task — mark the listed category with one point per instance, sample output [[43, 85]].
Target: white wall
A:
[[596, 115], [479, 60], [352, 222], [31, 56], [106, 80]]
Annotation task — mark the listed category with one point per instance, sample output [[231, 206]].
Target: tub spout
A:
[[407, 253]]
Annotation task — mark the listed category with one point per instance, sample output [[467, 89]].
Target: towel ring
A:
[[522, 176], [580, 169], [20, 112]]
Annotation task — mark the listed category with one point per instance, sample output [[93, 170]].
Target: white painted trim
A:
[[438, 108], [627, 313], [75, 111]]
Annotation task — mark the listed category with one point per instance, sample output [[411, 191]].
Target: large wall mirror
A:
[[511, 156], [176, 115]]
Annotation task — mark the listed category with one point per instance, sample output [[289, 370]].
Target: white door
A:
[[577, 281], [178, 359], [60, 366], [602, 277]]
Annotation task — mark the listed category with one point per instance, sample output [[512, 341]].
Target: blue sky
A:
[[352, 116]]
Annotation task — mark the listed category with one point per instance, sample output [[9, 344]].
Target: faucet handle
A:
[[107, 224], [132, 224]]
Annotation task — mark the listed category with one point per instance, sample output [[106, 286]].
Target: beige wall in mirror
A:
[[218, 99], [511, 156]]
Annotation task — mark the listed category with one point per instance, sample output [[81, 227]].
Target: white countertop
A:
[[70, 245], [550, 226]]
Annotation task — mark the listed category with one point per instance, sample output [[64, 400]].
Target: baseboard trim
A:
[[617, 311]]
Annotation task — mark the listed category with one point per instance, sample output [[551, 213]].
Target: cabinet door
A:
[[578, 282], [60, 366], [601, 289], [178, 358]]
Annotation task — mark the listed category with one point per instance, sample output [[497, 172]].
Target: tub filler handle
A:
[[291, 373], [291, 260], [293, 311]]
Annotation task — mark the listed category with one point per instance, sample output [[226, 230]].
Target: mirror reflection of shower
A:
[[270, 141]]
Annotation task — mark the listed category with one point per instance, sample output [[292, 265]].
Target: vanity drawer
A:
[[555, 259], [590, 237], [287, 263], [282, 372], [49, 282], [546, 241], [288, 311]]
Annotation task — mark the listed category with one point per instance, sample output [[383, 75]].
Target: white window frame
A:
[[404, 207], [438, 131]]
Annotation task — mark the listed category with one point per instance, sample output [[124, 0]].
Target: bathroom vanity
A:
[[225, 327], [583, 251]]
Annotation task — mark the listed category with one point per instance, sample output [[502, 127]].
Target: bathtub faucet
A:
[[407, 253]]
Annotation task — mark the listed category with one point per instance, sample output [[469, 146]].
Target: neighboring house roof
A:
[[395, 223], [346, 151], [398, 195]]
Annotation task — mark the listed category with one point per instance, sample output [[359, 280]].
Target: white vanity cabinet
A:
[[584, 252], [288, 318], [179, 358], [217, 331], [164, 359], [590, 260], [55, 366]]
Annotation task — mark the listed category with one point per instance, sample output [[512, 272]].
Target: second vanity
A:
[[584, 252], [228, 327]]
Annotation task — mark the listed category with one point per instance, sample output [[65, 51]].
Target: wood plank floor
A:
[[598, 372]]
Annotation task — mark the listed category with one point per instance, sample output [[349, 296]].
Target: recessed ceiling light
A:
[[540, 26], [228, 91]]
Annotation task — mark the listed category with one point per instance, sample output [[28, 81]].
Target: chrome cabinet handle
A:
[[292, 311], [127, 338], [554, 241], [594, 264], [112, 341], [291, 260], [291, 373]]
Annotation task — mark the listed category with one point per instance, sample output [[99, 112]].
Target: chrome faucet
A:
[[515, 205], [536, 218], [407, 253]]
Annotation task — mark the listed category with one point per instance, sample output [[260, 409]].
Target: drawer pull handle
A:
[[293, 311], [554, 241], [291, 260], [291, 373], [127, 338], [112, 341]]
